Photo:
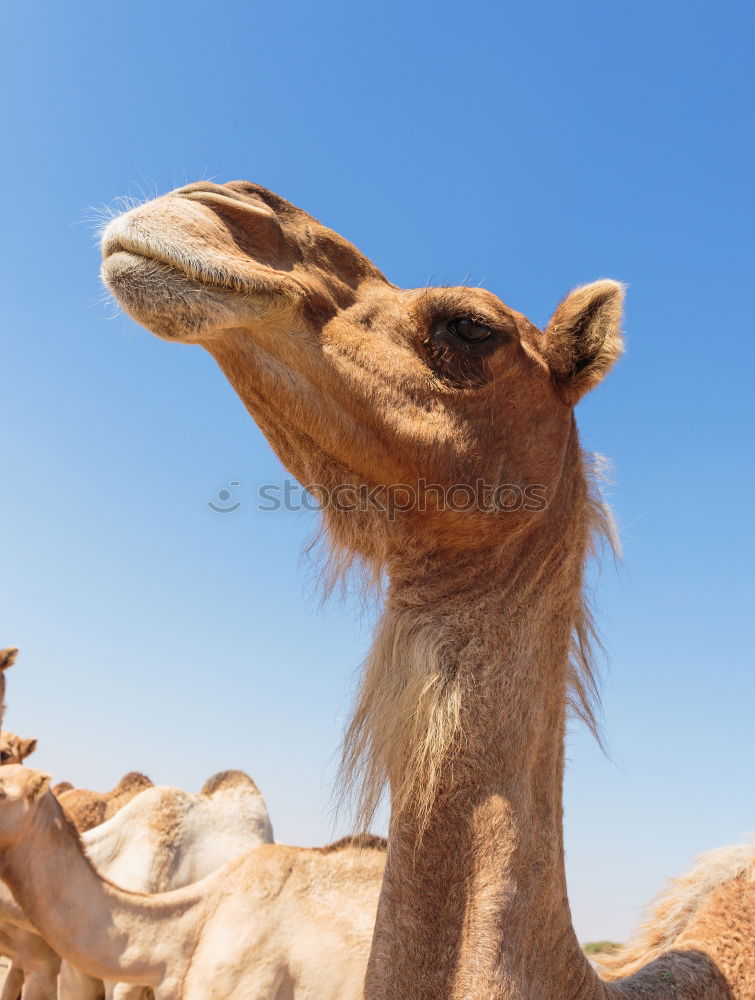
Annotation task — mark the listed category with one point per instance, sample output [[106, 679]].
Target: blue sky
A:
[[529, 147]]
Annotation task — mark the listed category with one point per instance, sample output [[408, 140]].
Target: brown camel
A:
[[88, 809], [15, 749], [438, 425]]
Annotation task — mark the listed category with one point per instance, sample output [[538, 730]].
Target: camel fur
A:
[[88, 809]]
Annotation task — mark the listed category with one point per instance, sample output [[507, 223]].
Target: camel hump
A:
[[723, 870], [133, 781], [8, 657], [62, 786], [360, 841], [84, 808], [224, 780]]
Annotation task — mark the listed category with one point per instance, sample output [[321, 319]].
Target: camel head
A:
[[438, 418], [14, 749], [20, 790]]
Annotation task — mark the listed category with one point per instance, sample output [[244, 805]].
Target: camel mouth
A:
[[119, 254], [165, 281], [184, 265]]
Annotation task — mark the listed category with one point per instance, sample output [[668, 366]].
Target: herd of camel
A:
[[427, 418], [148, 891]]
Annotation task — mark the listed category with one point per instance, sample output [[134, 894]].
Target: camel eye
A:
[[4, 756], [467, 329]]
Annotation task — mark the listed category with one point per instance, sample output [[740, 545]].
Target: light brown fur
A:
[[485, 634], [409, 723], [88, 809], [720, 881]]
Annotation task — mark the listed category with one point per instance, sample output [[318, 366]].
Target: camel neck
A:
[[474, 903], [102, 930]]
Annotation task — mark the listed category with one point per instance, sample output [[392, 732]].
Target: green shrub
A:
[[596, 947]]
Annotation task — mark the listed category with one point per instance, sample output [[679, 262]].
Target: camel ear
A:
[[583, 338], [27, 747], [36, 785], [8, 657]]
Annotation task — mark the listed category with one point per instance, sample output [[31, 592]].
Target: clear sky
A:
[[526, 146]]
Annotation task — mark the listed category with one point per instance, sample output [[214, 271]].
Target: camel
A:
[[163, 839], [7, 659], [436, 428], [33, 962], [89, 809], [276, 922], [15, 749]]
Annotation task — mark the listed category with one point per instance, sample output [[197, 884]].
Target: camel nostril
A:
[[209, 193], [199, 186], [225, 200]]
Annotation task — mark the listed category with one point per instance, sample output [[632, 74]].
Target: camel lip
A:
[[120, 256], [116, 246], [112, 246], [119, 251]]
